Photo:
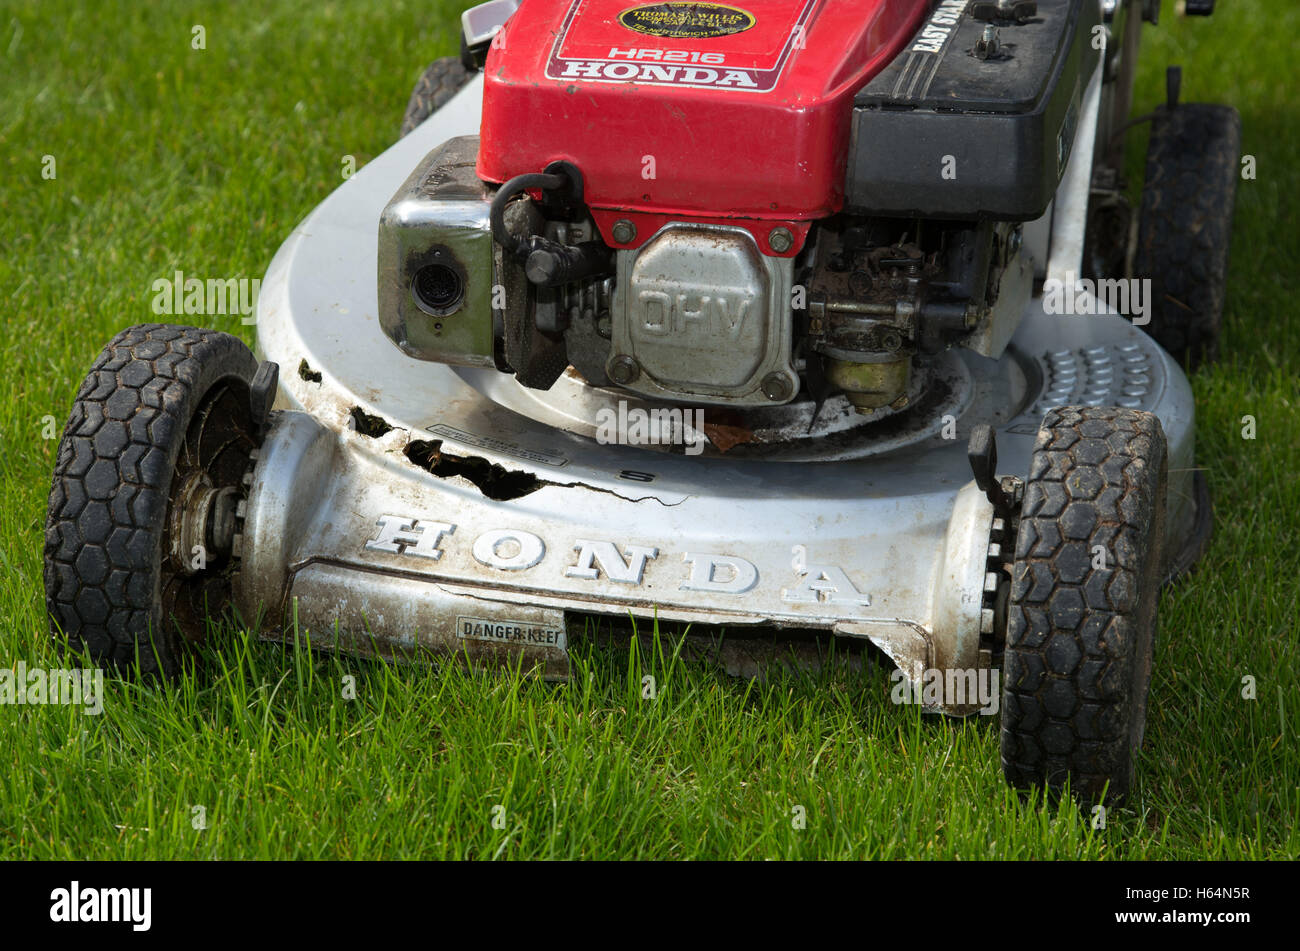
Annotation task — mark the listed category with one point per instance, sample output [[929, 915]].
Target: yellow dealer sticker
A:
[[687, 21]]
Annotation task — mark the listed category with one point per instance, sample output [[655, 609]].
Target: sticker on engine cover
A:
[[702, 45], [519, 633], [687, 21]]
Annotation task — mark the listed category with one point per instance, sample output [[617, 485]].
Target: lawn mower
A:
[[785, 315]]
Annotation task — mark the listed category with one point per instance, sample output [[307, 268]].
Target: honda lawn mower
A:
[[814, 315]]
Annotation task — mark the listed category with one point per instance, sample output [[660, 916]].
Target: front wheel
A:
[[1081, 616], [142, 509]]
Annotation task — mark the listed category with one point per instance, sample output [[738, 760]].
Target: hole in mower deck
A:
[[370, 425], [496, 482]]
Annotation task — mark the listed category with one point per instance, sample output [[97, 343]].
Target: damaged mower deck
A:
[[411, 504]]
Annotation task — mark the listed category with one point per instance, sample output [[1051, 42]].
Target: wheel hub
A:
[[203, 523]]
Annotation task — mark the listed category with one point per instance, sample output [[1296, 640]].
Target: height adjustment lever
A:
[[982, 451]]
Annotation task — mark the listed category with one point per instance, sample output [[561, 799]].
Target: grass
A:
[[203, 160]]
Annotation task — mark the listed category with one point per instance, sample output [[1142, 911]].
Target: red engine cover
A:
[[698, 111]]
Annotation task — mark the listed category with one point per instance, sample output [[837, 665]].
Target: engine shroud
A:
[[689, 110]]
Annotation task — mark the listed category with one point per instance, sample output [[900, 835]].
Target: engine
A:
[[740, 205]]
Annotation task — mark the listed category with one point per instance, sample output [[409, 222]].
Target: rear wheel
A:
[[1185, 225], [142, 507], [1082, 610], [443, 79]]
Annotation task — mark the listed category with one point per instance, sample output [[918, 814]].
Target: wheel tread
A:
[[1185, 225], [1071, 625], [437, 84], [109, 492]]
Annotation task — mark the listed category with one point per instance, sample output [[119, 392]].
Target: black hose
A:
[[520, 183]]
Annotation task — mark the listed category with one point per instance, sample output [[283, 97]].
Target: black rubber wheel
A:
[[442, 80], [152, 459], [1081, 616], [1185, 225]]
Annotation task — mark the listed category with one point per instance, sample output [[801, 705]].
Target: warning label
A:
[[522, 633]]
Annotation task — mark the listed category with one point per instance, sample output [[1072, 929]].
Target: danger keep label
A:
[[521, 633]]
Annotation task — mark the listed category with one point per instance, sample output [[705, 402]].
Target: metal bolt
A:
[[624, 231], [541, 266], [987, 45], [776, 387], [604, 326], [623, 370], [780, 240]]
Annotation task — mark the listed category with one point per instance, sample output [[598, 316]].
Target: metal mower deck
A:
[[403, 504]]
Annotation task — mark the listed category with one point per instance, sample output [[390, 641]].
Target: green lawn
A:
[[204, 160]]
